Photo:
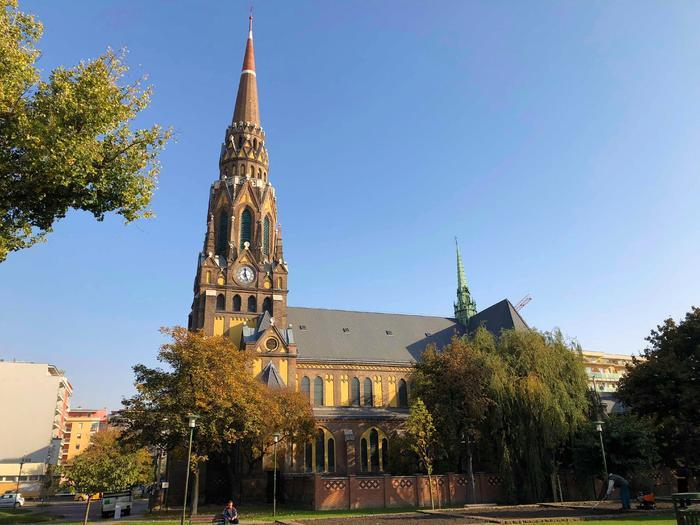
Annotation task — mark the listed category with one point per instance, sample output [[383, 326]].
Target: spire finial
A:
[[250, 24]]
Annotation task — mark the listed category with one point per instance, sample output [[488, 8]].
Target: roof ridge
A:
[[375, 313]]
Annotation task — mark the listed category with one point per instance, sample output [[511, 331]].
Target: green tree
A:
[[210, 377], [665, 387], [67, 142], [106, 466], [539, 391], [454, 385], [420, 435], [630, 447]]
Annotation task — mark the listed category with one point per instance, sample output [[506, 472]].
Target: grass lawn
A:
[[663, 519], [9, 516]]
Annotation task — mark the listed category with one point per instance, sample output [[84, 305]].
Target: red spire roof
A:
[[247, 109]]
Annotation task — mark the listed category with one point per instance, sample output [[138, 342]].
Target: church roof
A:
[[341, 335], [497, 317], [369, 337], [247, 109], [271, 377]]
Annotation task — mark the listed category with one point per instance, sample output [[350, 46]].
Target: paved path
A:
[[74, 510]]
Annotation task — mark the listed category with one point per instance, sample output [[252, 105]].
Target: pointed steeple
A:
[[247, 109], [465, 307]]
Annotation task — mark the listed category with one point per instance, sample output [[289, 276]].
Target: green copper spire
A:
[[465, 307]]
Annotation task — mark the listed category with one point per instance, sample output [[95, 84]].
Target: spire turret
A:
[[465, 307], [247, 109]]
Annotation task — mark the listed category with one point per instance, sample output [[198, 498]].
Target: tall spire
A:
[[247, 109], [465, 307]]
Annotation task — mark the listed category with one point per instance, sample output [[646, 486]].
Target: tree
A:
[[209, 376], [420, 434], [630, 448], [539, 390], [665, 387], [66, 142], [106, 466]]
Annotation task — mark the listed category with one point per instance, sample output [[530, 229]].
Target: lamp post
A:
[[599, 429], [276, 438], [192, 423], [22, 461]]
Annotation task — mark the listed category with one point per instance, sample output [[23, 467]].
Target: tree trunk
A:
[[470, 469], [430, 488], [87, 509], [195, 493]]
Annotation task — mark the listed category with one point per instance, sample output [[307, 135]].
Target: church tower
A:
[[465, 307], [240, 289]]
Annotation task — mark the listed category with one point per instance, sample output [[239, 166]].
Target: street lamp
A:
[[276, 438], [599, 429], [22, 461], [192, 423]]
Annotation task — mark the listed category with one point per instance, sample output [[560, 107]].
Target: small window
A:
[[306, 387], [368, 398], [389, 332], [220, 303], [346, 330], [77, 447], [236, 303], [428, 334], [252, 304], [318, 391], [302, 327], [79, 436]]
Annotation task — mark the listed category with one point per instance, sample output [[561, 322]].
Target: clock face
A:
[[245, 275]]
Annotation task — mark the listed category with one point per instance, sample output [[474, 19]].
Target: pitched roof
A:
[[370, 337], [498, 317], [247, 109], [271, 377], [341, 335]]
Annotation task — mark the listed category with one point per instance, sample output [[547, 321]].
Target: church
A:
[[353, 366]]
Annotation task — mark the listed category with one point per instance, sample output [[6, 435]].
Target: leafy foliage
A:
[[665, 387], [67, 142], [210, 377], [519, 397], [107, 465], [421, 436], [629, 443]]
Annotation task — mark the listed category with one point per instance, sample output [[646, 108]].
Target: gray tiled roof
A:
[[341, 335], [319, 335]]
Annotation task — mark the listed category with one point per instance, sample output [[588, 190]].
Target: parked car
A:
[[14, 500], [83, 497], [110, 500]]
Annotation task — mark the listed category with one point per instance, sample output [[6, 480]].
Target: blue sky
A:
[[557, 140]]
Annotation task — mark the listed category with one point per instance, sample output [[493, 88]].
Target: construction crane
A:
[[523, 302]]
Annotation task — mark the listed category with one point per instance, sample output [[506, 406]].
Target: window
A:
[[252, 304], [255, 143], [222, 234], [355, 392], [79, 436], [319, 452], [267, 305], [306, 387], [236, 303], [266, 236], [240, 141], [246, 227], [318, 391], [374, 451], [77, 447], [403, 393], [220, 302], [368, 399], [302, 327], [346, 330], [389, 332]]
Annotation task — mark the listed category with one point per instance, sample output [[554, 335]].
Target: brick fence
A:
[[322, 492]]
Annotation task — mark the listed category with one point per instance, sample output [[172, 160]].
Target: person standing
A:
[[618, 482]]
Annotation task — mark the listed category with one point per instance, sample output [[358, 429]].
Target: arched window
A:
[[255, 143], [306, 387], [240, 141], [220, 302], [403, 393], [266, 236], [279, 283], [355, 392], [363, 455], [331, 455], [385, 454], [374, 450], [320, 451], [369, 399], [236, 303], [318, 392], [252, 304], [222, 233], [267, 305], [246, 227], [309, 457]]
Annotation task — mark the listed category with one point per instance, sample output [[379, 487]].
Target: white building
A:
[[35, 400]]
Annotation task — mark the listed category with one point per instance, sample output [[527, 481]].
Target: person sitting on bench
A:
[[230, 514]]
